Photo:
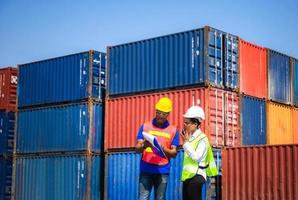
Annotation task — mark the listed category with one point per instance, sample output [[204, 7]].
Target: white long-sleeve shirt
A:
[[199, 154]]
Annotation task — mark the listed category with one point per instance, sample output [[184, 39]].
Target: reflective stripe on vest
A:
[[190, 167], [164, 137]]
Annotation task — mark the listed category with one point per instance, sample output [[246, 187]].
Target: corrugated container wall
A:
[[201, 56], [260, 172], [7, 124], [124, 115], [295, 125], [295, 95], [253, 69], [8, 88], [231, 66], [253, 120], [279, 124], [280, 77], [63, 79], [57, 177], [122, 175], [68, 127], [5, 178]]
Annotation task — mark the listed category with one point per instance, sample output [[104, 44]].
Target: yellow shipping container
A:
[[279, 124], [295, 125]]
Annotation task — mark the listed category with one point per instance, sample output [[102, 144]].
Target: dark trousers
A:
[[192, 188]]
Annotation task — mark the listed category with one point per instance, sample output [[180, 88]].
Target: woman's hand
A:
[[184, 136]]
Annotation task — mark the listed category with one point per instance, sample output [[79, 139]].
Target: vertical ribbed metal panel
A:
[[260, 172], [59, 128], [8, 88], [222, 124], [157, 63], [55, 177], [279, 124], [62, 79], [231, 66], [124, 115], [5, 178], [7, 124], [253, 120], [295, 82], [279, 77], [253, 69], [232, 119], [97, 177], [295, 125], [214, 58], [122, 177]]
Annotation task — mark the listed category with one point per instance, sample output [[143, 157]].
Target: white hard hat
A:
[[195, 112]]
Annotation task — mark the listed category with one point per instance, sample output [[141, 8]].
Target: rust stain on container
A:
[[8, 88], [279, 124], [260, 172], [124, 115]]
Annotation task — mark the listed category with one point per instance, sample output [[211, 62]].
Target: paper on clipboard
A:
[[153, 141]]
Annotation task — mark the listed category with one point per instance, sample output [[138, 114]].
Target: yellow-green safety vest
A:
[[190, 167]]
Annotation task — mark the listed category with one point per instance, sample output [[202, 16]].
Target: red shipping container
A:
[[124, 115], [253, 69], [8, 88], [260, 172]]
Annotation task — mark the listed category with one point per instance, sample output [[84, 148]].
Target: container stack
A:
[[8, 86], [268, 90], [193, 67], [253, 90], [59, 128]]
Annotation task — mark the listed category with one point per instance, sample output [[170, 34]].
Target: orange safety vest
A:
[[164, 137]]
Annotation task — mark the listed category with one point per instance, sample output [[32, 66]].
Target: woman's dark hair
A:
[[195, 121]]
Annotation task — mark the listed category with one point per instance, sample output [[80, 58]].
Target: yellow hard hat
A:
[[164, 104]]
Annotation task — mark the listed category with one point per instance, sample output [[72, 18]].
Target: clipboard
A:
[[153, 141]]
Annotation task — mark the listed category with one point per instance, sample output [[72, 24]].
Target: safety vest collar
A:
[[198, 134]]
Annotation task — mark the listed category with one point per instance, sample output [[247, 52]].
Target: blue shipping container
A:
[[63, 79], [122, 176], [295, 66], [279, 77], [5, 178], [231, 67], [7, 123], [253, 121], [58, 177], [60, 128], [201, 56]]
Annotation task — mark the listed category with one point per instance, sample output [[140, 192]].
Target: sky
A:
[[32, 30]]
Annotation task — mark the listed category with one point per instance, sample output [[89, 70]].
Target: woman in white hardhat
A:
[[198, 157]]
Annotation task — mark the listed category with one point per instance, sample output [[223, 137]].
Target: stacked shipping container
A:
[[204, 62], [260, 172], [59, 128], [142, 72], [241, 90], [8, 85], [124, 115], [122, 175]]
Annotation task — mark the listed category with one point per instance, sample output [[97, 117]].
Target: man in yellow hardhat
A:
[[155, 166]]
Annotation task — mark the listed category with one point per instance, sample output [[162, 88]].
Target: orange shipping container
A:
[[260, 172], [8, 88], [253, 69], [279, 124], [295, 125], [124, 115]]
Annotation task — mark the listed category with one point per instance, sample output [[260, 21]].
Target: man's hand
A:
[[142, 145]]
